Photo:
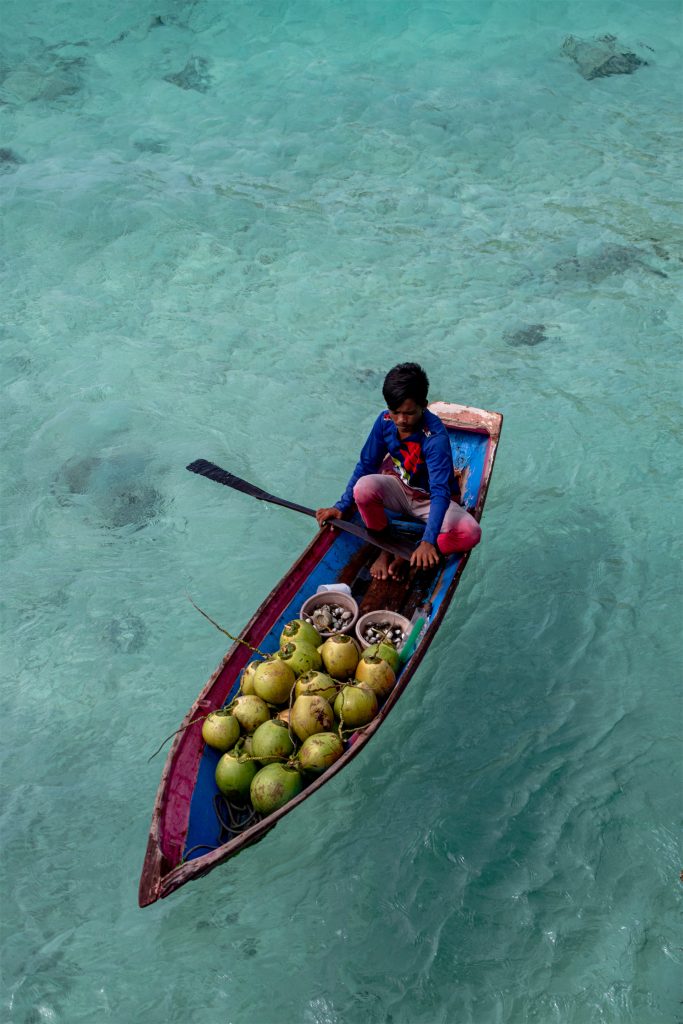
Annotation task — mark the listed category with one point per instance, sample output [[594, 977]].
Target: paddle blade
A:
[[221, 476], [213, 472]]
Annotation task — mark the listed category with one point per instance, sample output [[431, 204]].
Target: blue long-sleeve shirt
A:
[[422, 461]]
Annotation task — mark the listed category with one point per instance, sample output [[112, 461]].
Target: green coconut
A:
[[300, 656], [299, 629], [274, 786], [310, 715], [320, 751], [250, 711], [234, 774], [247, 682], [340, 655], [356, 705], [316, 684], [377, 674], [221, 730], [272, 742], [385, 651], [273, 681]]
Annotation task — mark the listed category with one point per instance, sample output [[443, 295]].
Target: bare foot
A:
[[386, 566], [379, 570], [397, 569]]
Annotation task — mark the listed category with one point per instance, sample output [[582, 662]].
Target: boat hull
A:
[[182, 843]]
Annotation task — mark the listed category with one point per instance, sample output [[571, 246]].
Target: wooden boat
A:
[[193, 828]]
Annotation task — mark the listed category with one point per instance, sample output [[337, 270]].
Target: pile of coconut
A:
[[294, 711]]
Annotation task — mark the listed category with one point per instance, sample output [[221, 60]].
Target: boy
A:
[[406, 466]]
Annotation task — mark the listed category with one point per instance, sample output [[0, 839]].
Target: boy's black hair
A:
[[407, 380]]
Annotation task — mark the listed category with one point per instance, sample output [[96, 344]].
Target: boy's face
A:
[[407, 417]]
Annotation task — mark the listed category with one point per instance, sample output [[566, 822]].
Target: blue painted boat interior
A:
[[469, 450]]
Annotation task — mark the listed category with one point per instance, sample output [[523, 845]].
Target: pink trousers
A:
[[379, 491]]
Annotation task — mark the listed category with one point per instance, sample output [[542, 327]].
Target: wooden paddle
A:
[[221, 476]]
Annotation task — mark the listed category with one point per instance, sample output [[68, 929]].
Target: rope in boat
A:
[[239, 819], [181, 729], [243, 817], [199, 846], [201, 719], [240, 816], [214, 623]]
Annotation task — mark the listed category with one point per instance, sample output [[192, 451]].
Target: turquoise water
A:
[[222, 223]]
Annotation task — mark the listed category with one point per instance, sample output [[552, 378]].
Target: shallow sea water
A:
[[222, 224]]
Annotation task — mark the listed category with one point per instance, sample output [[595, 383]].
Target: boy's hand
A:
[[325, 514], [424, 555]]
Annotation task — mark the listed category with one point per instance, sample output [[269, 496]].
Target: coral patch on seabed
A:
[[134, 505], [195, 75], [9, 160], [531, 334], [150, 145], [367, 376], [605, 260], [48, 77], [600, 58], [127, 633], [117, 488]]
